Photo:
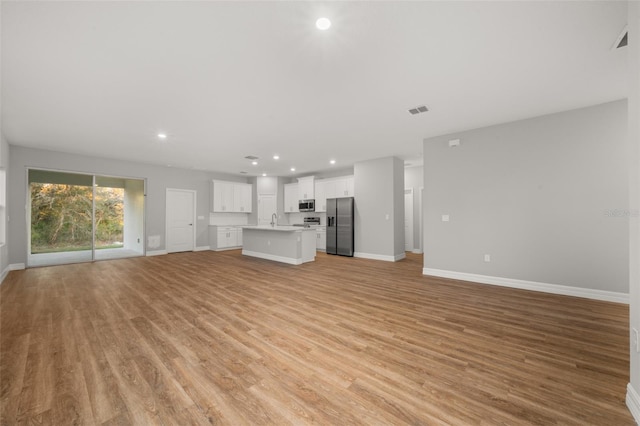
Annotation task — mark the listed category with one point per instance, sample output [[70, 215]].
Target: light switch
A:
[[200, 217], [445, 218], [386, 216]]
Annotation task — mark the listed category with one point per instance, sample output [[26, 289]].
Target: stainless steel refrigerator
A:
[[340, 226]]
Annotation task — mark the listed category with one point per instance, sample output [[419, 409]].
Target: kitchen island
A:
[[288, 244]]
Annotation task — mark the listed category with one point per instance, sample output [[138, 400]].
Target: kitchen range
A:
[[309, 222]]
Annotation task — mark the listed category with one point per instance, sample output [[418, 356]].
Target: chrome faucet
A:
[[274, 218]]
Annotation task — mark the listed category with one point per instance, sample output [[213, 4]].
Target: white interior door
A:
[[408, 219], [266, 208], [181, 207]]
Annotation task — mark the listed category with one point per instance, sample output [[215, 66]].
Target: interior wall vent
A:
[[243, 173], [418, 110], [251, 157], [621, 40]]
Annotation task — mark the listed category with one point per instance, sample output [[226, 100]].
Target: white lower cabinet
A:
[[226, 237], [321, 239]]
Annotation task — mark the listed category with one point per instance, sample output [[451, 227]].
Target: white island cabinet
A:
[[288, 244]]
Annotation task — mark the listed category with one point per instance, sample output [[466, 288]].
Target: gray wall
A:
[[4, 164], [546, 197], [414, 179], [379, 191], [158, 180], [634, 184]]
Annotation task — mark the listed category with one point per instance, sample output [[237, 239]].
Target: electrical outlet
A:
[[634, 336], [445, 218], [487, 258]]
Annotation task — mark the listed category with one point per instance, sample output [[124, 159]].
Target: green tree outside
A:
[[61, 217]]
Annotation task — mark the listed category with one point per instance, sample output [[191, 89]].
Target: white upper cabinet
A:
[[344, 187], [231, 197], [291, 198], [222, 197], [305, 188], [242, 197], [332, 188]]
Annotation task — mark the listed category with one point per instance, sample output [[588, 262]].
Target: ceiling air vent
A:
[[621, 40], [418, 110], [243, 173], [251, 157]]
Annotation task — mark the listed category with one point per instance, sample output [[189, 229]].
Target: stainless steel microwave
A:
[[307, 205]]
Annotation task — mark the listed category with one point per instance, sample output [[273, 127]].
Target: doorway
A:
[[77, 217], [266, 209], [408, 220], [181, 209]]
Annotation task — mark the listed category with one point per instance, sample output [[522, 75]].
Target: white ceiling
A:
[[229, 79]]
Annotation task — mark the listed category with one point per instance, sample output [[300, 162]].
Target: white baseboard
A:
[[156, 253], [16, 266], [416, 251], [379, 256], [4, 274], [289, 260], [203, 248], [227, 248], [608, 296], [633, 402]]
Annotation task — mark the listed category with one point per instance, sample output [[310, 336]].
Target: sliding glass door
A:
[[79, 218]]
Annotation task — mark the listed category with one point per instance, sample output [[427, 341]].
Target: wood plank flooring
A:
[[218, 338]]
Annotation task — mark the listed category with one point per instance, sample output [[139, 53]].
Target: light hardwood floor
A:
[[218, 338]]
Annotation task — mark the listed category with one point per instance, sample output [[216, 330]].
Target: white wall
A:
[[379, 192], [634, 200], [158, 180], [546, 197]]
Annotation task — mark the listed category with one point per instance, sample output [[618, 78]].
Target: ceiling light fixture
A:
[[293, 169], [323, 24], [264, 175], [162, 135], [332, 161], [254, 163], [276, 157]]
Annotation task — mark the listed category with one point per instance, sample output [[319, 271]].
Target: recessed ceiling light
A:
[[162, 135], [255, 163], [293, 169], [323, 24], [332, 161], [276, 157], [264, 174]]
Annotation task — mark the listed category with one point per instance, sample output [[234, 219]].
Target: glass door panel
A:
[[61, 228], [80, 218], [119, 217]]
